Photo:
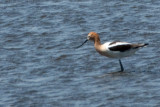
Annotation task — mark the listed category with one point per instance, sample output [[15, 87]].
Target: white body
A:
[[105, 51]]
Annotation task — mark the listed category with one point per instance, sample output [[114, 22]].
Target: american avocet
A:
[[114, 49]]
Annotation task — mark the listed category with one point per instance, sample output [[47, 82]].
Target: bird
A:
[[113, 49]]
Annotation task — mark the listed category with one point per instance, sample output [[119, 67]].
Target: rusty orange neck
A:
[[97, 41]]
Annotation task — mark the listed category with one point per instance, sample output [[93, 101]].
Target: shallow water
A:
[[39, 66]]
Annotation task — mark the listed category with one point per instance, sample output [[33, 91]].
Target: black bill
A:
[[82, 44]]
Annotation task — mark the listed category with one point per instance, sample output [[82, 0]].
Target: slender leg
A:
[[122, 69]]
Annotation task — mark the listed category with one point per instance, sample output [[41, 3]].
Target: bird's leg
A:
[[122, 69]]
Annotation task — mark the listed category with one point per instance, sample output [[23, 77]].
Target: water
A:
[[39, 66]]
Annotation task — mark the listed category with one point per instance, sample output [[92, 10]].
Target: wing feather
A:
[[119, 46]]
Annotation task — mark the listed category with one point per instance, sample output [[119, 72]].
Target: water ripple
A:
[[40, 66]]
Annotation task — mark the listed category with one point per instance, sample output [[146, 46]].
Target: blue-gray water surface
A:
[[39, 66]]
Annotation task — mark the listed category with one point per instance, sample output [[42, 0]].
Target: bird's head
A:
[[91, 36]]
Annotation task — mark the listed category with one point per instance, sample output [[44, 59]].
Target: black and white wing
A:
[[120, 46], [124, 46]]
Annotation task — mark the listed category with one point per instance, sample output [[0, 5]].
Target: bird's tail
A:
[[144, 44], [140, 45]]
